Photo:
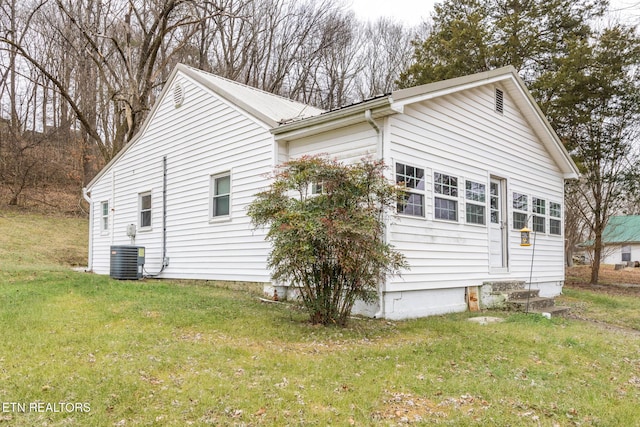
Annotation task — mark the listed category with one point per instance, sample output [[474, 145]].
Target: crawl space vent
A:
[[178, 95], [499, 101]]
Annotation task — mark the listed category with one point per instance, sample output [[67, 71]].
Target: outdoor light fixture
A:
[[525, 236]]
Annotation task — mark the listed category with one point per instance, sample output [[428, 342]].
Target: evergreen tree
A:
[[585, 81]]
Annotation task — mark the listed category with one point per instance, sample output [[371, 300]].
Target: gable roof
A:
[[397, 100], [267, 107], [622, 229], [284, 116]]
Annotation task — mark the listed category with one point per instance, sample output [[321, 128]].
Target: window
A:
[[494, 202], [144, 200], [412, 178], [317, 188], [626, 253], [104, 208], [539, 212], [446, 204], [555, 221], [221, 195], [475, 193], [520, 203]]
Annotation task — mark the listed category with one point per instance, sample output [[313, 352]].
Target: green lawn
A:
[[102, 352]]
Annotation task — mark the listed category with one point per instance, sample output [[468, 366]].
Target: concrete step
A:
[[522, 294], [535, 304], [505, 285], [555, 311]]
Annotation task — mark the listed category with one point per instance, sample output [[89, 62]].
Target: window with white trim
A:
[[446, 201], [539, 215], [520, 210], [317, 188], [412, 179], [555, 218], [221, 195], [626, 253], [144, 202], [475, 207], [104, 216]]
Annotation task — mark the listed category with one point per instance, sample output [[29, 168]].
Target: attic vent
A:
[[499, 101], [178, 95]]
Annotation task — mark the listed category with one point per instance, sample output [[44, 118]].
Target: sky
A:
[[413, 12]]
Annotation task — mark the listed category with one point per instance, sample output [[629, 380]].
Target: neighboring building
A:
[[476, 153], [621, 238]]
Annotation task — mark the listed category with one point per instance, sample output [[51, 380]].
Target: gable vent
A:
[[178, 95], [499, 101]]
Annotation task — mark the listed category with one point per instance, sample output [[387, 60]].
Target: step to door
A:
[[536, 303]]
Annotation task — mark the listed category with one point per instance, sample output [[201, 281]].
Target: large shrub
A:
[[326, 224]]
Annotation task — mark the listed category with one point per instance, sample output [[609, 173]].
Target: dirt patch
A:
[[407, 408], [625, 282]]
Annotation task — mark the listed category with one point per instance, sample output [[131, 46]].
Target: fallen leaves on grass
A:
[[408, 408]]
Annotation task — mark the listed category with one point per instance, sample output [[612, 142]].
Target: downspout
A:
[[112, 218], [165, 260], [382, 285], [85, 195]]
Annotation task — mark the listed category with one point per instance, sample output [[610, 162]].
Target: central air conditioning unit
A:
[[127, 262]]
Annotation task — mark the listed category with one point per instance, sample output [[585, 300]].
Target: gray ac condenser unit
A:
[[127, 262]]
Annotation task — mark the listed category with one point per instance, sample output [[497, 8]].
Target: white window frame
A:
[[414, 190], [440, 195], [519, 209], [213, 196], [539, 211], [625, 250], [317, 188], [555, 218], [104, 217], [476, 199], [141, 210]]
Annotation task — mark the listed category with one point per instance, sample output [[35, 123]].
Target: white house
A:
[[621, 238], [478, 155]]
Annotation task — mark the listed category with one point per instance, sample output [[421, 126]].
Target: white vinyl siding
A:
[[349, 144], [461, 136], [204, 135]]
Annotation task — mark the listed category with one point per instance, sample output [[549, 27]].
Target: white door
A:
[[498, 255]]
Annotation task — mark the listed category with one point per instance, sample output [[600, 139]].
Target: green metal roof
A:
[[619, 230], [622, 229]]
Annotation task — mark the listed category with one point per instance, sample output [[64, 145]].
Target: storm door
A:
[[498, 225]]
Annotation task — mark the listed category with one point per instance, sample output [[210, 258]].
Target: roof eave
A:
[[333, 119], [229, 97]]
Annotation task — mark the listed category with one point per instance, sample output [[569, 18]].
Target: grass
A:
[[189, 353]]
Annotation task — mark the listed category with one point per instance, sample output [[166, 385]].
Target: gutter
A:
[[87, 197], [331, 120]]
